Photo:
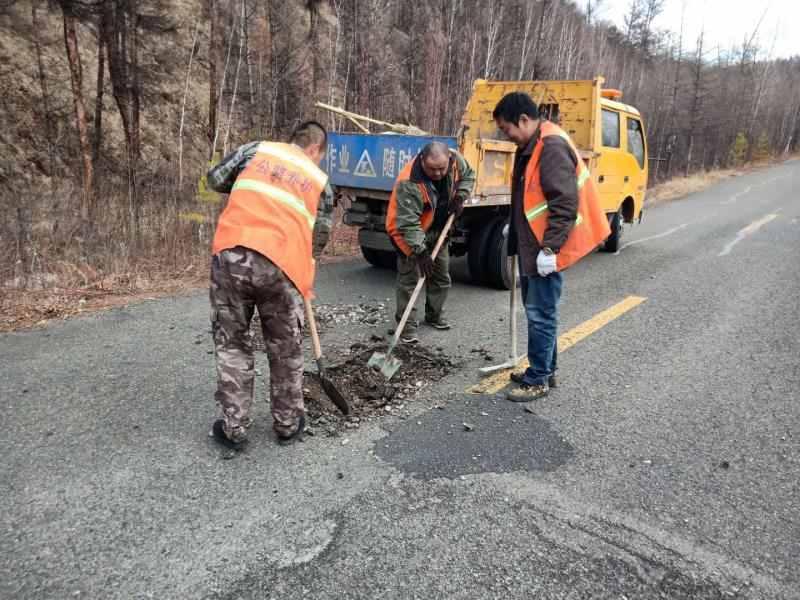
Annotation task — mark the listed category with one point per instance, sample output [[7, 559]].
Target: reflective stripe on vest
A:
[[591, 224], [540, 208], [272, 210], [272, 192]]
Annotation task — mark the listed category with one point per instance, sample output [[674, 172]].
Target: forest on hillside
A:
[[112, 108]]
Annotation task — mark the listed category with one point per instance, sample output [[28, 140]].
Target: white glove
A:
[[545, 263]]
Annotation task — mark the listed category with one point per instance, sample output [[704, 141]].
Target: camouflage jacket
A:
[[410, 202], [223, 175]]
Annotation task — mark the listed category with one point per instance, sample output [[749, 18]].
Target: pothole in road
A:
[[330, 316], [369, 393]]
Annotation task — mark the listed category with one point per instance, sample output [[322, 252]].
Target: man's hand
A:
[[546, 262], [456, 206], [424, 264]]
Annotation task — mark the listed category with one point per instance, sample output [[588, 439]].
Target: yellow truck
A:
[[610, 136]]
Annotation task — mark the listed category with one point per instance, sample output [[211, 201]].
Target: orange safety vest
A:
[[272, 209], [591, 225], [426, 219]]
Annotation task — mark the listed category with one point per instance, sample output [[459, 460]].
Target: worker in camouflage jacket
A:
[[433, 185], [277, 219]]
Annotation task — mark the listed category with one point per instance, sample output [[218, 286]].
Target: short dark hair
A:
[[512, 106], [308, 133]]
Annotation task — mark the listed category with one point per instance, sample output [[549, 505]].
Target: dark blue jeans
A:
[[541, 295]]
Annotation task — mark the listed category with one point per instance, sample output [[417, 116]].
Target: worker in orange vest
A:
[[556, 219], [432, 185], [276, 220]]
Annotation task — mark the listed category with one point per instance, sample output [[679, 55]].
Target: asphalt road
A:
[[666, 465]]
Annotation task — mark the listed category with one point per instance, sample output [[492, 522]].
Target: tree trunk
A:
[[212, 73], [183, 106], [50, 130], [71, 43], [122, 41], [98, 100]]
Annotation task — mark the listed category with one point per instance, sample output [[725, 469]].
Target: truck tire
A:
[[383, 259], [613, 242], [499, 270], [478, 255]]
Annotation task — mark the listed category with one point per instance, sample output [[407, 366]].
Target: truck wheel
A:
[[613, 242], [478, 256], [383, 259], [499, 269]]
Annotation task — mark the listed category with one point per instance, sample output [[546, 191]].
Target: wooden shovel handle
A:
[[312, 326], [421, 281]]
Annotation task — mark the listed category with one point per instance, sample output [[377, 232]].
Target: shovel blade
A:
[[334, 394], [387, 365]]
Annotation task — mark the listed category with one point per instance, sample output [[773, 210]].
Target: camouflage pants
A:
[[436, 286], [241, 281]]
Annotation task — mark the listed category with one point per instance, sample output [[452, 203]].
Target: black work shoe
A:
[[288, 439], [519, 378], [409, 336], [438, 323], [527, 393], [218, 433]]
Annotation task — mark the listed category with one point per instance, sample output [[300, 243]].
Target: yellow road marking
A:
[[496, 382]]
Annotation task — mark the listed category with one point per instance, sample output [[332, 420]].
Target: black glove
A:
[[424, 264], [457, 206]]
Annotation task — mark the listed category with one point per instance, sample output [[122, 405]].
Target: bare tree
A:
[[76, 77], [50, 130], [183, 104], [122, 40]]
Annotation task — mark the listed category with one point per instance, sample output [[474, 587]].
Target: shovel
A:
[[512, 360], [327, 385], [386, 363]]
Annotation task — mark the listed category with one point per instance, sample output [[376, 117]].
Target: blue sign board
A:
[[372, 161]]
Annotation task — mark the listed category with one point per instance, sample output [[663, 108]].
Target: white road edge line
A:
[[652, 237], [737, 195], [749, 230]]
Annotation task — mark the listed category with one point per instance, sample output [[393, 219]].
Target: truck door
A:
[[636, 147], [608, 174]]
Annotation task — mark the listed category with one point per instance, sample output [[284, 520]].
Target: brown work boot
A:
[[527, 393], [519, 378]]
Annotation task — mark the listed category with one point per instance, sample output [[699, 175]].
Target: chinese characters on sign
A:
[[391, 163], [372, 161]]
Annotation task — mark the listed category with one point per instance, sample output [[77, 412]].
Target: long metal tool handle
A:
[[512, 352], [421, 282], [312, 326]]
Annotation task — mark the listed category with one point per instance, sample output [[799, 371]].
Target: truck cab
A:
[[620, 167], [609, 135]]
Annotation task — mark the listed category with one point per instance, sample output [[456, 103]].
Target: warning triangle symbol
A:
[[364, 168]]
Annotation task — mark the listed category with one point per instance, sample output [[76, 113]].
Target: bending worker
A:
[[556, 219], [434, 184], [280, 206]]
